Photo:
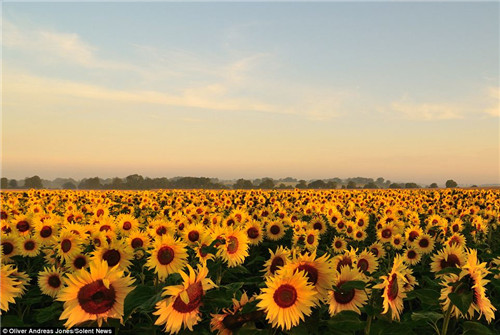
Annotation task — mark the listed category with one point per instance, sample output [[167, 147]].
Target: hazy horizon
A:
[[404, 91]]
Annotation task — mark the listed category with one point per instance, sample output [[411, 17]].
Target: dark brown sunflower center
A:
[[318, 225], [96, 298], [54, 281], [66, 245], [344, 296], [195, 293], [363, 265], [341, 225], [412, 254], [412, 236], [374, 251], [112, 256], [165, 255], [79, 262], [452, 261], [22, 226], [29, 245], [334, 219], [193, 236], [311, 272], [105, 227], [232, 244], [3, 215], [386, 233], [161, 230], [345, 261], [275, 229], [285, 296], [7, 248], [310, 239], [423, 243], [253, 232], [338, 244], [137, 243], [126, 225], [276, 263], [46, 231], [392, 288], [359, 234], [100, 212]]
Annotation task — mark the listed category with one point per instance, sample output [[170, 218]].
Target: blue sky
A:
[[407, 91]]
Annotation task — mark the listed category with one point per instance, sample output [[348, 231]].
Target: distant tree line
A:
[[138, 182]]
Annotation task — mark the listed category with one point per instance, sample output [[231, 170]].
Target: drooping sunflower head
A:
[[346, 299], [277, 259], [235, 249], [449, 256], [182, 305]]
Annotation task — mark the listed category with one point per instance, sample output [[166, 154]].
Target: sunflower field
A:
[[253, 262]]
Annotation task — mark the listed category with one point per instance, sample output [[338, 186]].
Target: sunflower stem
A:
[[446, 320], [368, 325]]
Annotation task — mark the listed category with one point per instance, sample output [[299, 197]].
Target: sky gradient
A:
[[406, 91]]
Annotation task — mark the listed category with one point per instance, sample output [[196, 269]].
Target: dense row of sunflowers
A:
[[252, 261]]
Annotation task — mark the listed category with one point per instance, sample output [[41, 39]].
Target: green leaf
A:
[[475, 328], [426, 296], [345, 321], [426, 316], [462, 301], [449, 270], [353, 284], [138, 297], [233, 287], [12, 321], [43, 315]]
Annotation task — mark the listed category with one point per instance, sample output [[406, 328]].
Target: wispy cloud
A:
[[408, 109], [494, 95]]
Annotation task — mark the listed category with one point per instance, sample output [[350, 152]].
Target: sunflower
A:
[[318, 270], [311, 239], [201, 248], [366, 262], [50, 281], [361, 220], [412, 256], [392, 286], [359, 235], [397, 241], [45, 230], [471, 279], [424, 244], [318, 224], [126, 224], [138, 239], [95, 295], [287, 298], [449, 256], [275, 230], [350, 299], [160, 227], [78, 262], [235, 249], [68, 244], [116, 253], [182, 307], [254, 232], [384, 234], [457, 239], [10, 247], [29, 246], [191, 233], [411, 234], [168, 256], [277, 259], [339, 244], [9, 286], [22, 224]]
